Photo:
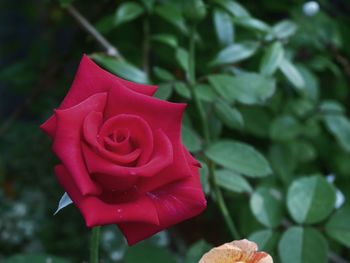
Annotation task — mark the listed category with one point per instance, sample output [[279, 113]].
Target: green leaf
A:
[[223, 27], [265, 239], [305, 152], [239, 157], [194, 10], [105, 24], [65, 3], [235, 53], [216, 127], [311, 87], [166, 39], [147, 253], [267, 206], [205, 92], [233, 7], [172, 14], [121, 68], [284, 128], [204, 177], [272, 59], [292, 74], [301, 107], [339, 126], [283, 161], [37, 258], [256, 120], [196, 251], [182, 90], [247, 88], [331, 107], [230, 116], [163, 74], [181, 56], [164, 91], [284, 29], [127, 11], [232, 181], [310, 199], [191, 140], [303, 245], [252, 23], [148, 4], [338, 226]]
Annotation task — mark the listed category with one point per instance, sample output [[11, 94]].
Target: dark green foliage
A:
[[274, 86]]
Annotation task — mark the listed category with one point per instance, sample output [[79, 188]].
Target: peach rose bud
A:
[[239, 251]]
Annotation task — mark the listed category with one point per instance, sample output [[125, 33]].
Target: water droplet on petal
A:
[[132, 173]]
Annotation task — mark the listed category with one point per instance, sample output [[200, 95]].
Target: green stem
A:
[[192, 82], [146, 45], [206, 133], [221, 202], [94, 244]]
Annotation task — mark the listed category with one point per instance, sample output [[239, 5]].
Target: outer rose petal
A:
[[176, 171], [175, 203], [157, 113], [91, 79], [237, 251], [96, 212], [67, 141]]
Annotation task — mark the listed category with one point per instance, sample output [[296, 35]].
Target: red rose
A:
[[122, 158]]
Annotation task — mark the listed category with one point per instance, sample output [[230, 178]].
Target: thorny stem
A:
[[87, 26], [205, 128]]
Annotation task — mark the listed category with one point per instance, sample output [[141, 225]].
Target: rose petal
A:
[[175, 202], [179, 169], [158, 114], [267, 259], [161, 158], [97, 212], [92, 123], [141, 133], [222, 254], [91, 79], [123, 146], [261, 257], [238, 251], [67, 142], [245, 245]]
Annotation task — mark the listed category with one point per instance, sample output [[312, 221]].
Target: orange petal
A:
[[239, 251]]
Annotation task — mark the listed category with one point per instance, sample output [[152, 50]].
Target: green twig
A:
[[94, 244], [205, 128]]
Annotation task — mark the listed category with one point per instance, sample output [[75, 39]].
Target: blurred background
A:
[[290, 65]]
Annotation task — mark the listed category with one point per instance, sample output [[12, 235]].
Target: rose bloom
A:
[[240, 251], [122, 159]]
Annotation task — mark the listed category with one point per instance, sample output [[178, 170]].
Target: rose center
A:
[[119, 141], [119, 135]]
